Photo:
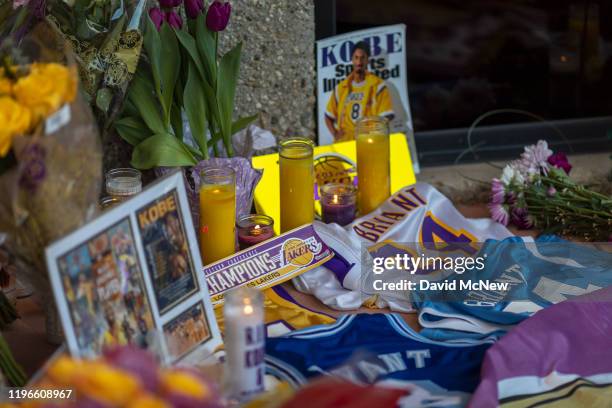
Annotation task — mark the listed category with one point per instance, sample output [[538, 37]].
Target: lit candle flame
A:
[[248, 309], [563, 58], [335, 199]]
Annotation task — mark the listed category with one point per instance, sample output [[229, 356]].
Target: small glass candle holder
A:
[[245, 342], [253, 229], [338, 203], [121, 184]]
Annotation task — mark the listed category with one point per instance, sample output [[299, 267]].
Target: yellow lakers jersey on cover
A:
[[352, 101]]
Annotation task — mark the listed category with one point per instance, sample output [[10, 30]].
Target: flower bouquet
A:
[[50, 156], [536, 191], [125, 377], [183, 80]]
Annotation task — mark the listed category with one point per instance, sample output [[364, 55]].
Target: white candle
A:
[[244, 343]]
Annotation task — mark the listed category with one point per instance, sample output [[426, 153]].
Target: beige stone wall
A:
[[277, 75]]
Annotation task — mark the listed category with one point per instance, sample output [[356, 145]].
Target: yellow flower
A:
[[46, 89], [181, 382], [108, 385], [148, 401], [14, 120], [6, 87]]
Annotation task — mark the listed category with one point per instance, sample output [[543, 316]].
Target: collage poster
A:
[[104, 287], [167, 251]]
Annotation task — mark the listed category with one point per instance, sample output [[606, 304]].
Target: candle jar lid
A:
[[338, 193], [123, 182], [251, 220]]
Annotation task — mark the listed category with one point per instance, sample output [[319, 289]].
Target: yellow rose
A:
[[14, 120], [45, 89], [6, 87], [108, 385], [181, 382]]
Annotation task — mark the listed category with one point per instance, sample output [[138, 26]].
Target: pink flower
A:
[[169, 3], [521, 218], [551, 191], [218, 15], [157, 17], [536, 156], [498, 191], [499, 213], [559, 160], [174, 19], [193, 8]]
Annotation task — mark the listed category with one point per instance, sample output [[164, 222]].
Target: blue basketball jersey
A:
[[538, 274], [375, 348]]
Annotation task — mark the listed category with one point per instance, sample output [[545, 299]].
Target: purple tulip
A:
[[169, 3], [560, 161], [174, 20], [218, 15], [193, 8], [157, 16]]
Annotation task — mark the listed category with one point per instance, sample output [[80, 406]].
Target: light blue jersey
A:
[[538, 274], [375, 348]]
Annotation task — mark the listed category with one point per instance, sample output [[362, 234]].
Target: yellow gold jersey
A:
[[283, 313], [351, 101]]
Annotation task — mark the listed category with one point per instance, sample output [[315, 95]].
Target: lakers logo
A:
[[334, 168], [296, 252]]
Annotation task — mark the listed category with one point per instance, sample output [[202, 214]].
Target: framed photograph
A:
[[134, 275]]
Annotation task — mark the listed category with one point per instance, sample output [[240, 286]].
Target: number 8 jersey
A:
[[415, 215]]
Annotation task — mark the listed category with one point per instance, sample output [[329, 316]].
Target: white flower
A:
[[512, 175]]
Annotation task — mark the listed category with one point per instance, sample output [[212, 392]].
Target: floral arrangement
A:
[[29, 95], [125, 377], [184, 78], [105, 36], [536, 191], [51, 157]]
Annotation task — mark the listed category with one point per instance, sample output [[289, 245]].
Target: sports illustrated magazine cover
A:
[[359, 74], [103, 284], [187, 330], [167, 252]]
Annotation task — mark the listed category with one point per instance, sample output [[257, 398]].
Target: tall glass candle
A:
[[296, 183], [373, 163], [217, 213], [245, 339]]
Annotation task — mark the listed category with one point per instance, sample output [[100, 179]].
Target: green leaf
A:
[[243, 122], [195, 108], [132, 130], [142, 97], [228, 78], [189, 44], [170, 65], [207, 47], [176, 119], [152, 43], [162, 150]]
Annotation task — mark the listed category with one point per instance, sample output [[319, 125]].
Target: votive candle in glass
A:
[[121, 184], [296, 183], [217, 213], [338, 203], [253, 229], [245, 340], [373, 163]]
